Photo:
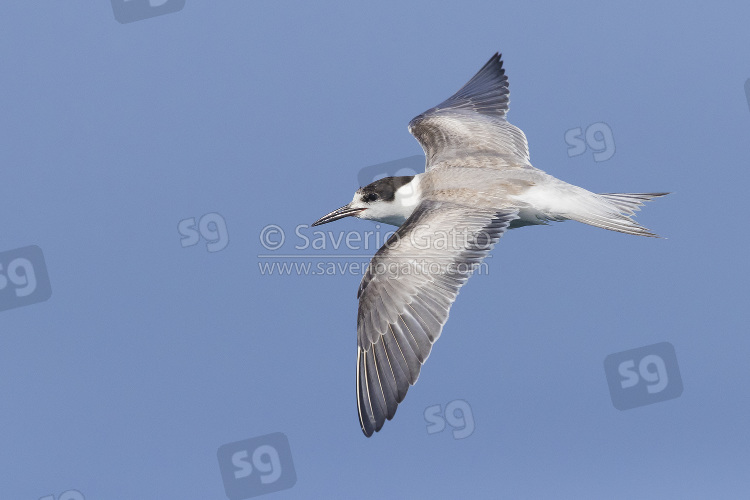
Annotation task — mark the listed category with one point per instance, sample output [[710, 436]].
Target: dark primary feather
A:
[[486, 93], [402, 308]]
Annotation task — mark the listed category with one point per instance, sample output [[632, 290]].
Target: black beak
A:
[[339, 213]]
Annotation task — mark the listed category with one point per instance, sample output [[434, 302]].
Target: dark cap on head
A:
[[386, 188]]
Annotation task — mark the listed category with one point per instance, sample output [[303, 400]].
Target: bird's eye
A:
[[371, 197]]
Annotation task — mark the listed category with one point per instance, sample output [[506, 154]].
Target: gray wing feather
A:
[[402, 307], [471, 125]]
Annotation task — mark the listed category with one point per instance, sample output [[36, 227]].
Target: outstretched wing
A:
[[471, 125], [405, 296]]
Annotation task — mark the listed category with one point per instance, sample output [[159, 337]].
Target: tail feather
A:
[[614, 212], [629, 203]]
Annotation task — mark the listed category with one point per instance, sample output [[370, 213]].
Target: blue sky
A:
[[153, 351]]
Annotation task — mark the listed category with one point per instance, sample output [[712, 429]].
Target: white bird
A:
[[478, 183]]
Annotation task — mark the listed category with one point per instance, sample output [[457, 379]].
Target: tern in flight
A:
[[478, 183]]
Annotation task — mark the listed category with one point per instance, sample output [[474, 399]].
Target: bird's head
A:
[[390, 200]]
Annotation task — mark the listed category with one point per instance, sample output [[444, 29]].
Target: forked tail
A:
[[614, 212]]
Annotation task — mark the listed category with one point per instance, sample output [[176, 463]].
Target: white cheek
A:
[[374, 211]]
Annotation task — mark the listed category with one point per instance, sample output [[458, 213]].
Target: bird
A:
[[478, 183]]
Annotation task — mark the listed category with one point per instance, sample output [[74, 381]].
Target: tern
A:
[[478, 183]]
